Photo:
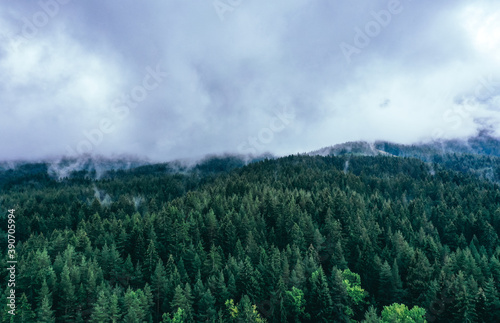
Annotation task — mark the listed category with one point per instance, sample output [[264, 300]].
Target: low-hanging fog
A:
[[179, 79]]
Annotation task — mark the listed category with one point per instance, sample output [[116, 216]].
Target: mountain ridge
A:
[[483, 144]]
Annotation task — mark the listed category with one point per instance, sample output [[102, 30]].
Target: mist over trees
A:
[[293, 239]]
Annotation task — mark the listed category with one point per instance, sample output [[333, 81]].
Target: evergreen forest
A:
[[346, 238]]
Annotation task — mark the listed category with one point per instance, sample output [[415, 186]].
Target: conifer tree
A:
[[371, 316], [135, 307], [492, 302], [321, 303], [206, 307], [100, 312], [181, 301], [24, 313], [114, 309], [248, 312], [159, 285], [295, 303], [67, 299], [45, 314], [339, 296], [386, 288], [419, 276]]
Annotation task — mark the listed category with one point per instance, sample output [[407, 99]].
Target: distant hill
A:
[[483, 144], [89, 168], [479, 155]]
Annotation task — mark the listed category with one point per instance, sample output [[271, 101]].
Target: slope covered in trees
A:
[[294, 239], [479, 155]]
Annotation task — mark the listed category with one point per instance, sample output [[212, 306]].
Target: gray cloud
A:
[[416, 70]]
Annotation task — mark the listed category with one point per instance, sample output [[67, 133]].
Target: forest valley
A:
[[343, 237]]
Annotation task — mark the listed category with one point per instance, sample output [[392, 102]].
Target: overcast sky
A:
[[176, 79]]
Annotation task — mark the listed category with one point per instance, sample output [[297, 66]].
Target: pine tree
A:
[[279, 301], [44, 292], [297, 237], [182, 270], [189, 298], [127, 271], [371, 316], [356, 294], [220, 289], [206, 307], [339, 296], [138, 278], [181, 301], [100, 312], [471, 300], [45, 314], [115, 263], [24, 312], [159, 286], [248, 312], [179, 317], [114, 309], [321, 302], [81, 301], [231, 287], [492, 302], [213, 262], [295, 302], [419, 276], [198, 292], [386, 288], [464, 307], [148, 302], [135, 307], [150, 259], [239, 252], [247, 282], [399, 293], [297, 278], [67, 299], [90, 286]]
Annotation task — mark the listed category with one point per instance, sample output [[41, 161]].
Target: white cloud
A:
[[482, 23], [225, 78]]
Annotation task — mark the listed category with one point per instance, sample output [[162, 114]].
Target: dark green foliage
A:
[[24, 314], [297, 239]]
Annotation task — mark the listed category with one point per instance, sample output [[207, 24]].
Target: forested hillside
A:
[[293, 239], [479, 155], [483, 144]]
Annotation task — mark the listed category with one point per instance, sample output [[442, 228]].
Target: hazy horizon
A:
[[168, 80]]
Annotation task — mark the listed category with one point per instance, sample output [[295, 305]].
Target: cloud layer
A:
[[171, 79]]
